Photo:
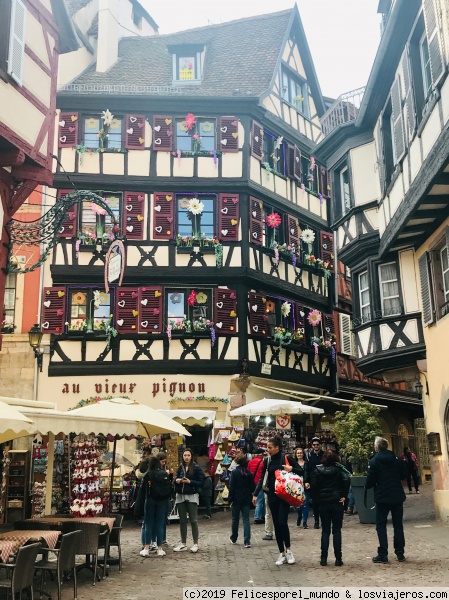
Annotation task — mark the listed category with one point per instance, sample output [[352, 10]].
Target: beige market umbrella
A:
[[271, 406], [13, 424]]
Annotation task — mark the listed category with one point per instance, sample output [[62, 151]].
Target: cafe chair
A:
[[103, 544], [87, 543], [21, 572], [65, 561], [115, 541]]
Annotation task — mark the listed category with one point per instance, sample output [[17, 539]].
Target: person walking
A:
[[385, 475], [241, 488], [189, 478], [157, 489], [330, 486], [315, 457], [412, 469], [303, 511], [255, 465], [206, 494], [162, 456], [278, 507]]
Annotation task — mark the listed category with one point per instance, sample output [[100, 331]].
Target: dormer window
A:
[[187, 63]]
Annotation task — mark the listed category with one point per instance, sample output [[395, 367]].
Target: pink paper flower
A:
[[314, 318], [97, 209], [190, 120], [273, 220]]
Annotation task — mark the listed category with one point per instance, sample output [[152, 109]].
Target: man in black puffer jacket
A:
[[385, 475]]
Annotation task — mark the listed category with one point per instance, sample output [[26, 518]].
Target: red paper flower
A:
[[273, 220], [190, 121], [192, 298]]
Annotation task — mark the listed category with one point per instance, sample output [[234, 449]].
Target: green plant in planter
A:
[[356, 430]]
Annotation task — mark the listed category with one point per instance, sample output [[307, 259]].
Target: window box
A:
[[75, 334]]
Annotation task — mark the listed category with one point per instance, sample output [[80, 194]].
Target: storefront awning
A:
[[191, 417]]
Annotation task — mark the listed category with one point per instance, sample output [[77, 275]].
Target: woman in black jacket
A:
[[278, 507], [330, 486], [189, 478], [241, 488], [303, 463]]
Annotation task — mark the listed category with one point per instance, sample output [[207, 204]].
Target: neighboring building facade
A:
[[389, 165]]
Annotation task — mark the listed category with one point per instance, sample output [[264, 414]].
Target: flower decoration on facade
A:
[[175, 298], [107, 117], [79, 298], [286, 308], [97, 209], [97, 299], [278, 142], [190, 121], [201, 298], [196, 207], [314, 318], [273, 220], [169, 330], [192, 298], [281, 336], [200, 399], [307, 236]]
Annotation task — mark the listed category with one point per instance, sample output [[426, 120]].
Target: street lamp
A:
[[35, 338], [419, 388]]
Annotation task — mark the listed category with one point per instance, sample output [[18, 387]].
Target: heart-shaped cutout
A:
[[219, 304], [170, 219], [129, 207], [254, 213], [168, 232], [129, 228], [302, 313], [140, 125], [254, 307], [47, 303], [158, 141], [134, 294], [235, 135], [140, 198], [219, 325], [224, 210], [122, 294], [157, 208], [63, 139], [224, 142], [141, 140], [61, 294], [59, 312], [144, 302], [254, 234], [234, 123], [256, 328], [169, 198], [169, 132], [139, 218], [72, 129], [130, 131], [133, 326], [157, 128], [224, 232], [232, 296], [328, 329], [120, 322], [157, 294], [45, 325], [168, 121], [158, 229], [144, 324], [256, 138], [223, 129], [156, 312], [61, 230], [232, 314], [121, 303], [132, 119], [297, 159], [292, 231], [74, 118], [61, 123], [234, 222], [235, 201], [135, 313]]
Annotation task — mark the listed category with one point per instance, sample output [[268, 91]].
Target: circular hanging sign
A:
[[283, 422], [114, 267]]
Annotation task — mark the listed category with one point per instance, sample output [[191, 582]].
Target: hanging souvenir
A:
[[218, 438], [212, 451], [241, 443], [234, 436], [210, 440], [219, 500], [219, 486], [225, 493], [232, 453], [225, 476], [225, 460], [218, 470], [212, 469], [218, 455]]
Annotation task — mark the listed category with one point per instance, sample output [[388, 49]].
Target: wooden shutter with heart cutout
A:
[[135, 132], [229, 134], [68, 129], [328, 325], [258, 324], [162, 133], [228, 217], [256, 221], [53, 314], [300, 320], [133, 215], [293, 231], [225, 311], [163, 216], [324, 182], [126, 309], [69, 227], [150, 309], [257, 140], [297, 168], [327, 248]]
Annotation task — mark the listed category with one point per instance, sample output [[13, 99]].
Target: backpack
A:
[[161, 486]]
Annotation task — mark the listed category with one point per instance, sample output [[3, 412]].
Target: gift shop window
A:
[[274, 151], [196, 135], [96, 223], [196, 215], [279, 315], [189, 309], [89, 309], [103, 131]]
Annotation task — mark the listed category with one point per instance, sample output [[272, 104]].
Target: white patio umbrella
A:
[[271, 406], [13, 424]]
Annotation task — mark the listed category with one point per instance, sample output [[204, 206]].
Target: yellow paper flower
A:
[[201, 298]]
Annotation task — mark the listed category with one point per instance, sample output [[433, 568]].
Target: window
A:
[[187, 63], [434, 273], [294, 91], [364, 298], [387, 140], [342, 192], [310, 174], [9, 302], [201, 225], [389, 289], [189, 309], [98, 135], [12, 39], [274, 316], [200, 138], [425, 65], [445, 272], [274, 152], [88, 310], [274, 234], [94, 224]]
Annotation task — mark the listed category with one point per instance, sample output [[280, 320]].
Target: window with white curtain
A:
[[389, 289], [365, 312]]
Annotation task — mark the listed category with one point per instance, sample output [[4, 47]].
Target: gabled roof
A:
[[240, 55]]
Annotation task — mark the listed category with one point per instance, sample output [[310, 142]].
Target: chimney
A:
[[108, 34]]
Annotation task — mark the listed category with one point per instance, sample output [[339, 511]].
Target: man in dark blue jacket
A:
[[315, 457], [385, 475]]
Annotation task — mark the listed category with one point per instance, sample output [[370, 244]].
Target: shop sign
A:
[[283, 422], [115, 262], [225, 433], [219, 425], [433, 439], [114, 387], [238, 426]]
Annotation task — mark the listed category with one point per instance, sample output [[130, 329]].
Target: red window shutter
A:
[[229, 134], [327, 248], [162, 133], [126, 309], [133, 215], [300, 317], [228, 217], [256, 221], [163, 216], [297, 169], [150, 309], [68, 130], [69, 227], [135, 132], [293, 231], [257, 140], [290, 161], [324, 182], [53, 315], [328, 325], [225, 311], [257, 318]]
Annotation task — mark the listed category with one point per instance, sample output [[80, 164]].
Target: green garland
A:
[[200, 399], [94, 400]]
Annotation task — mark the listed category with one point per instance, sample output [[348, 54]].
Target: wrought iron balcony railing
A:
[[343, 110]]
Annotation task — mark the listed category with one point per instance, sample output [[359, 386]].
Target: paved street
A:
[[218, 563]]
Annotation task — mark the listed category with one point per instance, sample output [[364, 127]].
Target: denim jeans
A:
[[331, 515], [259, 513], [206, 500], [154, 521], [303, 511], [236, 510], [397, 511], [351, 499]]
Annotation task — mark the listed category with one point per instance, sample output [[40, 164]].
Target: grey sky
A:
[[343, 35]]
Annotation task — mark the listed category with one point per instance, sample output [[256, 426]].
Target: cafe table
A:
[[8, 547], [22, 536], [100, 520]]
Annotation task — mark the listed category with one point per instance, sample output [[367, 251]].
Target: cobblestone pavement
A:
[[218, 563]]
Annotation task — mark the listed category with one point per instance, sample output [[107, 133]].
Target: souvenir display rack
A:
[[87, 499], [288, 435], [222, 451], [16, 464]]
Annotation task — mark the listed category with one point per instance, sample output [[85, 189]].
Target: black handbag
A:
[[139, 504]]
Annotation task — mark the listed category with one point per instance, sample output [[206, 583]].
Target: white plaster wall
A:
[[409, 282], [431, 132]]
